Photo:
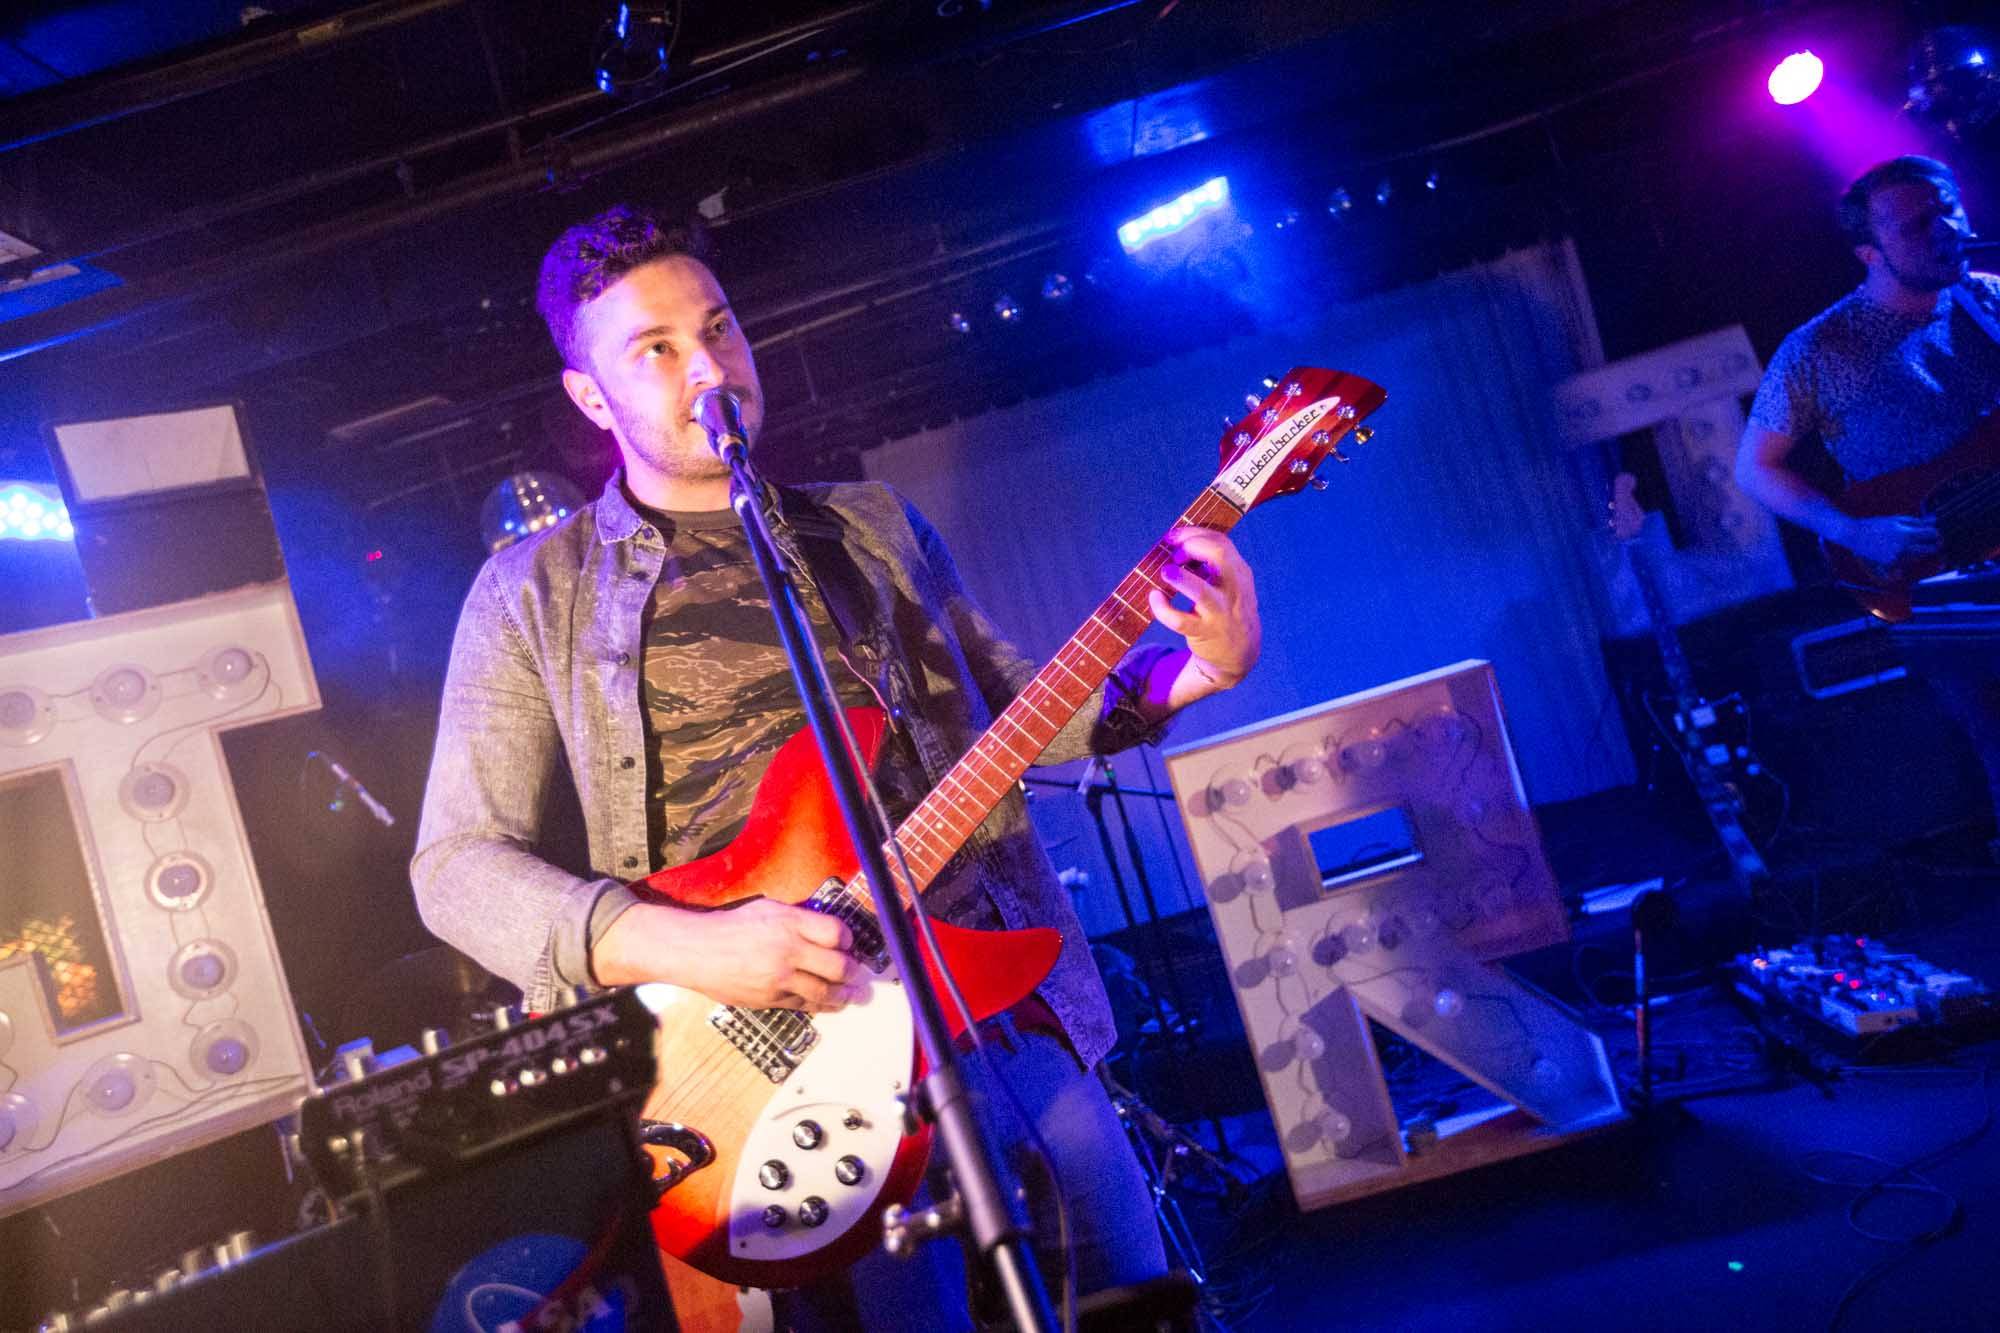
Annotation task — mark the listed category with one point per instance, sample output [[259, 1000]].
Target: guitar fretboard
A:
[[943, 820], [1680, 676]]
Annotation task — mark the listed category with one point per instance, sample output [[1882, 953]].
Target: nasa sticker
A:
[[535, 1282]]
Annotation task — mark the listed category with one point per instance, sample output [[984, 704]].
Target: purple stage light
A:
[[1796, 77]]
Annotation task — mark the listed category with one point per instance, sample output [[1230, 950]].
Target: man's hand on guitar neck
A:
[[758, 954], [1221, 625], [1890, 540]]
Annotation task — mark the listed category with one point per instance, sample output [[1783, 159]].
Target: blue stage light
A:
[[29, 513], [1174, 215]]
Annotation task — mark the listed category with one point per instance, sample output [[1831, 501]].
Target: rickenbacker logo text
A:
[[1243, 477]]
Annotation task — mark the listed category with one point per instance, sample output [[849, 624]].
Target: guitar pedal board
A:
[[1875, 1001], [498, 1181], [377, 1127]]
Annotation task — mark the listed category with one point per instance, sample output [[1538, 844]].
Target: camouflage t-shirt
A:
[[716, 690], [1883, 390]]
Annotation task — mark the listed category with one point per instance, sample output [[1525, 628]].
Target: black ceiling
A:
[[334, 213]]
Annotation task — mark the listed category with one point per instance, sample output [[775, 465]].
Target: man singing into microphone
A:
[[1889, 377], [633, 646]]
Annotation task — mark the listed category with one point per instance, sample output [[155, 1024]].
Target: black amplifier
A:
[[525, 1078], [499, 1183]]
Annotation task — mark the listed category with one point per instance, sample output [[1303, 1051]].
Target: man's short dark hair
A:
[[593, 255], [1852, 211]]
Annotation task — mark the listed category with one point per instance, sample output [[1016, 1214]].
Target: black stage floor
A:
[[1741, 1204]]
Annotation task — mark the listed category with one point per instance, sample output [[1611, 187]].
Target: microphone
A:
[[351, 783], [719, 412]]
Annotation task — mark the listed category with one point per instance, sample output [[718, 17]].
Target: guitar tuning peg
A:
[[1269, 384], [1318, 483], [1251, 400], [1363, 434]]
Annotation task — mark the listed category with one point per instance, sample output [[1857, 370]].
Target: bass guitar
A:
[[1710, 735], [1960, 489], [778, 1137]]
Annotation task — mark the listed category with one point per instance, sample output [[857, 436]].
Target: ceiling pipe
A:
[[117, 305], [194, 219], [67, 108]]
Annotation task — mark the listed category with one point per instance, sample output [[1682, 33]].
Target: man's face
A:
[[652, 341], [1919, 230]]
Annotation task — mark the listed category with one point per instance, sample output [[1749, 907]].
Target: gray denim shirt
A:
[[545, 672]]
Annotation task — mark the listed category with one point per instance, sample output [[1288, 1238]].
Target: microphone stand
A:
[[996, 1233]]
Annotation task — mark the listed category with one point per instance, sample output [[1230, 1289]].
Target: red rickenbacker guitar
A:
[[1959, 488], [777, 1136]]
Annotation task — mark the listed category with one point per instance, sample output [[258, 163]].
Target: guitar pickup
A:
[[834, 899], [774, 1040]]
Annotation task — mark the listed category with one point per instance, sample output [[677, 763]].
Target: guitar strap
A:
[[798, 527], [838, 580]]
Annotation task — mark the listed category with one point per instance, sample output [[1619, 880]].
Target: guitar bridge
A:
[[774, 1040], [834, 899]]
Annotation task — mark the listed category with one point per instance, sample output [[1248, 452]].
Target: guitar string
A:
[[1980, 495]]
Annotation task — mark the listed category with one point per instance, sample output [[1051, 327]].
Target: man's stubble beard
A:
[[1928, 283], [666, 451]]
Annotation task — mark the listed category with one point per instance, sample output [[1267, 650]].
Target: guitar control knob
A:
[[849, 1170], [808, 1134], [813, 1211], [774, 1217], [774, 1175], [504, 1017]]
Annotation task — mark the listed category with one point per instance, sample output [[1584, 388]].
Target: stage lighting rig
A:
[[634, 46]]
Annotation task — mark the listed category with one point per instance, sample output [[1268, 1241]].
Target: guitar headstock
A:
[[1307, 415], [1627, 517]]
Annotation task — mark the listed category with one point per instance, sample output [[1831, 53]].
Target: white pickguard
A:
[[857, 1069]]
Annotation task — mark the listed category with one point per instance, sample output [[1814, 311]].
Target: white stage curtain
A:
[[1461, 531]]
